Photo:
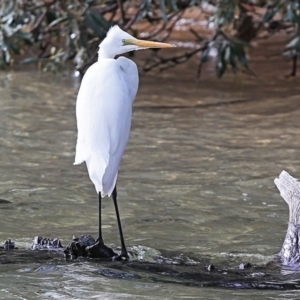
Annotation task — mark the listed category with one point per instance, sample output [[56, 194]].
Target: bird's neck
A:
[[104, 54]]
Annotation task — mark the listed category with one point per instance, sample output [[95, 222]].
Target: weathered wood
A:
[[289, 188]]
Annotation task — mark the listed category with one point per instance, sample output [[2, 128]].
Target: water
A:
[[195, 187]]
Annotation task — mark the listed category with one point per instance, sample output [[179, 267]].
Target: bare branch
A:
[[171, 62]]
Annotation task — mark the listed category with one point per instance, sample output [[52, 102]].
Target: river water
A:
[[195, 187]]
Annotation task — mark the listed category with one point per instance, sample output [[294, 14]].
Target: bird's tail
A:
[[96, 165], [80, 155]]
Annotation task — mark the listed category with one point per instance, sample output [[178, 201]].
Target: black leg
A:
[[124, 254], [84, 246], [100, 230]]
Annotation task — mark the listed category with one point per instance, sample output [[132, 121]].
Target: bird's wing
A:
[[103, 111], [89, 115]]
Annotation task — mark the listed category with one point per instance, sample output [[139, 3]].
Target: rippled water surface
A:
[[195, 187]]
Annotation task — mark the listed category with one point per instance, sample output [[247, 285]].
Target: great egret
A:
[[103, 111]]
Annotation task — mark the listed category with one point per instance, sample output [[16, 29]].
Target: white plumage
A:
[[103, 112], [104, 107]]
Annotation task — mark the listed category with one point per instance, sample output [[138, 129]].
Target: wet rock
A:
[[8, 245], [244, 266], [86, 246], [40, 243], [83, 246], [3, 201], [210, 268]]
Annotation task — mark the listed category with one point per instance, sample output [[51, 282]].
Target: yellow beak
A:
[[148, 44]]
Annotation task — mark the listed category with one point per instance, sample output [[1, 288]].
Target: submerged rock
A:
[[289, 188]]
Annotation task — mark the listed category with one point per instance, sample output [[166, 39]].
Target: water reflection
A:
[[196, 180]]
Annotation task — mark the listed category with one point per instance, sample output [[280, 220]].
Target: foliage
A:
[[290, 14], [50, 32]]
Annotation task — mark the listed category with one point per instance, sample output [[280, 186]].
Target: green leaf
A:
[[242, 57], [205, 53], [58, 21], [172, 4], [94, 24], [7, 7], [145, 7], [232, 61], [227, 53], [11, 45], [7, 57], [269, 15], [100, 20], [51, 16], [29, 60], [162, 6], [25, 36], [221, 64], [293, 43]]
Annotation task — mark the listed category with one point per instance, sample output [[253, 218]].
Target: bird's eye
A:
[[123, 41]]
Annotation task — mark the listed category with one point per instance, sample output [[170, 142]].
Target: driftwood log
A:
[[289, 188]]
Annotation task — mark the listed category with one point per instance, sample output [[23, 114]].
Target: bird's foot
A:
[[86, 246], [99, 250], [77, 246], [123, 256]]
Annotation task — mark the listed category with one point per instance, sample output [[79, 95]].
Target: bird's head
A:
[[118, 42]]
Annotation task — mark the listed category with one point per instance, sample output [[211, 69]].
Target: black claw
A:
[[122, 257], [99, 250]]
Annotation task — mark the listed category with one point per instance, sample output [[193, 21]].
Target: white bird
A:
[[103, 112]]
